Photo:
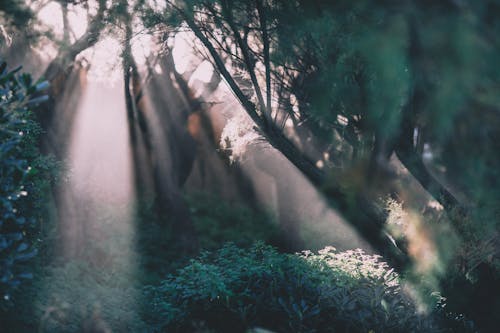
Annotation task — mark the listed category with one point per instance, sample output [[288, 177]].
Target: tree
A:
[[377, 86], [370, 82]]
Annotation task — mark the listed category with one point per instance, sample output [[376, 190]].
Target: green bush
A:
[[234, 289], [217, 221], [23, 180]]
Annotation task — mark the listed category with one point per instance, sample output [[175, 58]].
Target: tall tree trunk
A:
[[59, 71], [169, 203]]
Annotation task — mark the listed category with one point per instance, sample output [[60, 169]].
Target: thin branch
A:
[[265, 41], [219, 44], [246, 56]]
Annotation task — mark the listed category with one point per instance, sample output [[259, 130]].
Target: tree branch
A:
[[246, 57], [265, 42], [67, 54], [221, 67]]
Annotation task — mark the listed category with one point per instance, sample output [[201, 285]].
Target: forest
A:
[[254, 166]]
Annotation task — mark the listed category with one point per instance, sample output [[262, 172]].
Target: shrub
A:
[[217, 221], [234, 289], [22, 179]]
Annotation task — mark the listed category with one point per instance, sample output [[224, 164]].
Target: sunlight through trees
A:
[[346, 150]]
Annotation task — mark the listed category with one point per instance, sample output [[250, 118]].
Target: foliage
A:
[[370, 79], [217, 221], [23, 178], [365, 81], [100, 286], [234, 289], [15, 12], [18, 22]]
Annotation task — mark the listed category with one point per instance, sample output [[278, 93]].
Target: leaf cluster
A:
[[234, 289], [23, 179]]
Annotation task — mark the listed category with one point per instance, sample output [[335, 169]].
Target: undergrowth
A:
[[234, 289]]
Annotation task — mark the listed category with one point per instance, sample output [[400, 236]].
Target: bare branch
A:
[[246, 56], [221, 67], [265, 41]]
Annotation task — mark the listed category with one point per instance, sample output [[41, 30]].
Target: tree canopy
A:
[[368, 81]]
